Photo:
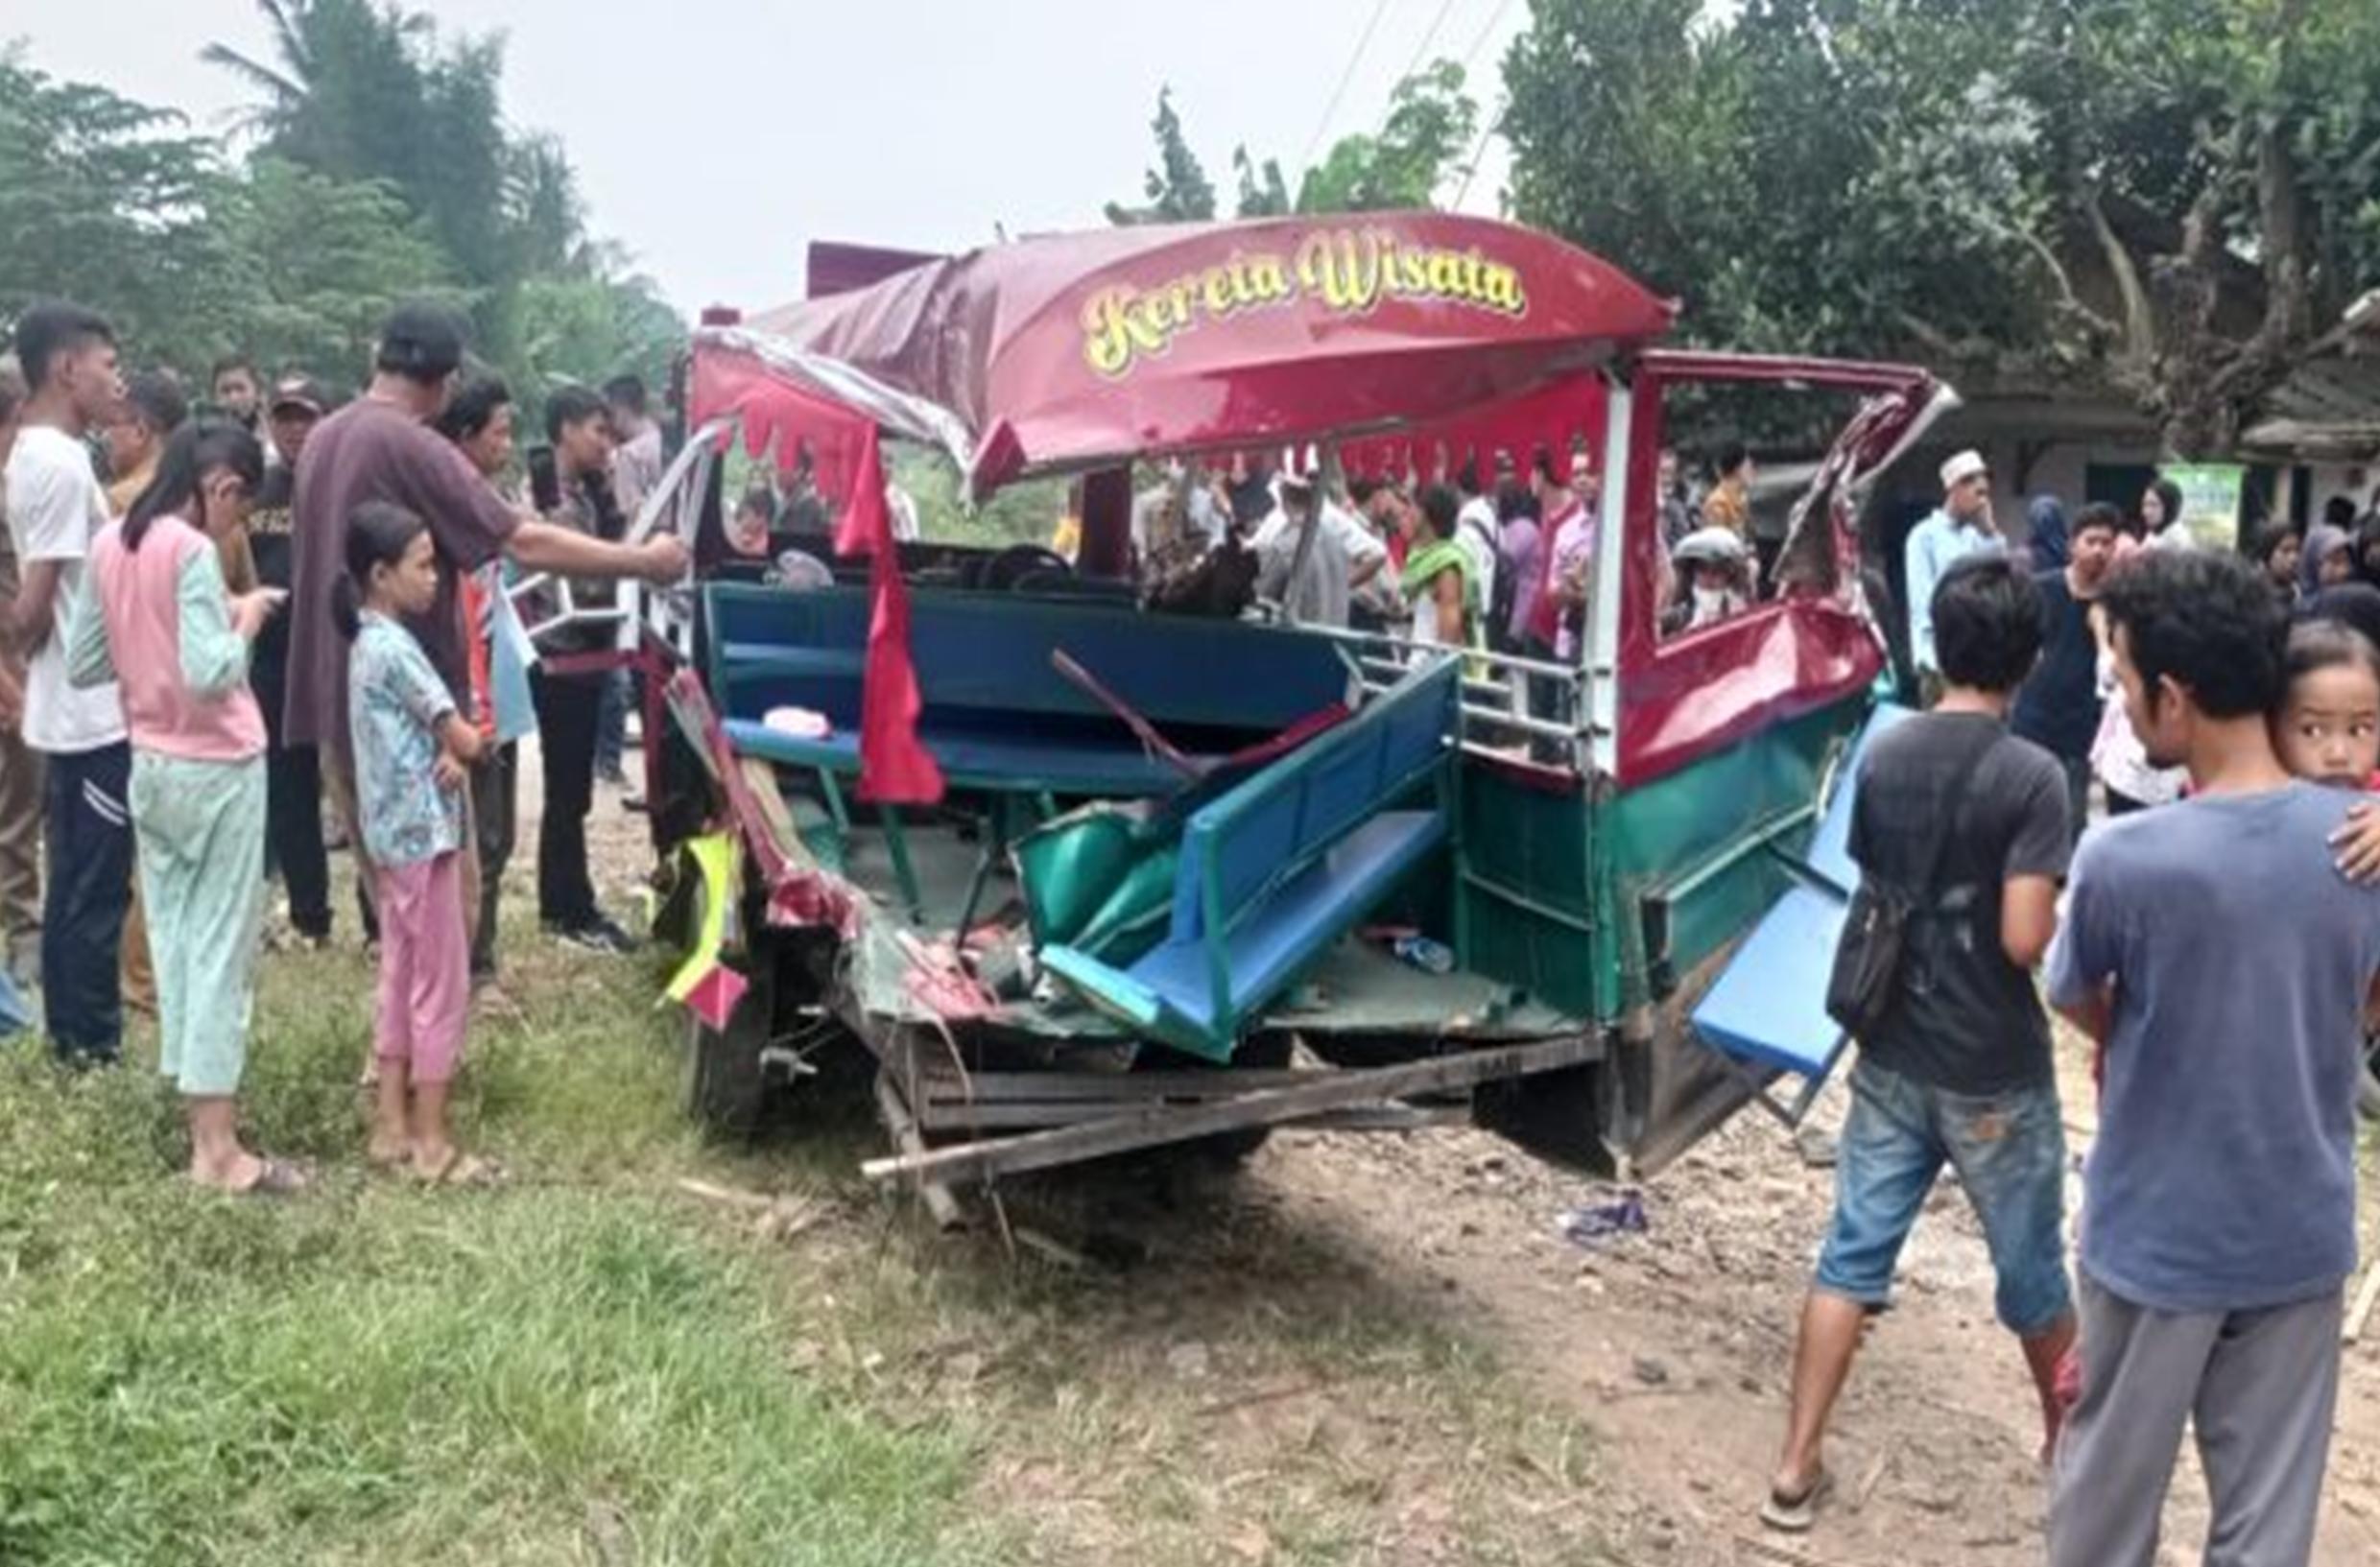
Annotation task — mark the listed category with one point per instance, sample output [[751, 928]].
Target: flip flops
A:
[[275, 1178], [459, 1168], [1794, 1515]]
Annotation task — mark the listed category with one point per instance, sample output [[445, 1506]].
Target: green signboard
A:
[[2210, 501]]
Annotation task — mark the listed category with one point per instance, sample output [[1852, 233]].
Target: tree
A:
[[105, 200], [1177, 189], [1420, 144], [584, 328], [366, 93], [1427, 132], [2171, 200], [316, 266]]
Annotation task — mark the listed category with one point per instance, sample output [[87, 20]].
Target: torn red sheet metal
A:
[[800, 893], [1690, 696], [939, 982]]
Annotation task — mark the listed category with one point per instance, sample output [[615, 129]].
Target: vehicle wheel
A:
[[725, 1085], [1226, 1151]]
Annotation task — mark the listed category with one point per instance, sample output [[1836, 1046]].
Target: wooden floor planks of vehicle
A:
[[1156, 1124]]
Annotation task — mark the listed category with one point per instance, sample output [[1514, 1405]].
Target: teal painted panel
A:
[[1659, 836], [1529, 897]]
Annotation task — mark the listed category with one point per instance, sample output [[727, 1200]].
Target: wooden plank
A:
[[1012, 1115], [1158, 1125], [1121, 1088], [936, 1194]]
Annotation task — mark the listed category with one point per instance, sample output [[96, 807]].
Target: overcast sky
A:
[[716, 138]]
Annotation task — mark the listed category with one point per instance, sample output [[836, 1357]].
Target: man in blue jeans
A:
[[1959, 1071], [55, 508], [2215, 950]]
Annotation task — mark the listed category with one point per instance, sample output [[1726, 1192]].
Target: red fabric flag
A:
[[777, 412]]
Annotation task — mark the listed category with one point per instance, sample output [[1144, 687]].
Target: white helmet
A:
[[1717, 546]]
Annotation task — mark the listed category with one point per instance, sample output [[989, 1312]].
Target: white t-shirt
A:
[[56, 507], [1342, 546], [1476, 531]]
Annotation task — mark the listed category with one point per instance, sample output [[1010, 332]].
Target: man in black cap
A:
[[381, 447], [293, 774]]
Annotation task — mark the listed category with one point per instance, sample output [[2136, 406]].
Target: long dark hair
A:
[[2169, 500], [193, 451], [378, 535]]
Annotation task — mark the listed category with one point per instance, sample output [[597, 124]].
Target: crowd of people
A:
[[2216, 940], [1500, 562], [213, 624]]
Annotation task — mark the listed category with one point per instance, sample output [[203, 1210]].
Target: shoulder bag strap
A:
[[1947, 814]]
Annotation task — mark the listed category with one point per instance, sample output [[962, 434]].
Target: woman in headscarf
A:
[[2281, 554], [2328, 559], [2046, 542]]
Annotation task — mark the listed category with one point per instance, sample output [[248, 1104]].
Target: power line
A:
[[1495, 20], [1479, 149], [1379, 9], [1423, 47]]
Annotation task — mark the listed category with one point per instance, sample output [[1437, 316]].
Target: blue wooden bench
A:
[[1767, 1010], [1274, 870], [997, 716]]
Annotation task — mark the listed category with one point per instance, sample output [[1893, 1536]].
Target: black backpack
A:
[[1865, 985]]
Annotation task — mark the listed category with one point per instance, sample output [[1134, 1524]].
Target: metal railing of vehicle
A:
[[1496, 719]]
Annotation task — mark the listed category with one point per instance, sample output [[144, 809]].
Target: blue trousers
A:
[[88, 845]]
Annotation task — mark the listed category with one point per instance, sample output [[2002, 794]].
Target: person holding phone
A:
[[153, 617]]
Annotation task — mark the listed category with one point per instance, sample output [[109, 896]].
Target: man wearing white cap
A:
[[1961, 527]]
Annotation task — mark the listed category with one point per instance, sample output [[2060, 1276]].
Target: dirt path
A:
[[1674, 1345]]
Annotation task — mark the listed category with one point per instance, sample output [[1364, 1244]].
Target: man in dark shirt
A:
[[570, 702], [1959, 1071], [293, 774], [2059, 708]]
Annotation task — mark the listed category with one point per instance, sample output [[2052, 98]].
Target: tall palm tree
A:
[[283, 91]]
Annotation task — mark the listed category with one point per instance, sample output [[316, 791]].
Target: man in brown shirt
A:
[[380, 447]]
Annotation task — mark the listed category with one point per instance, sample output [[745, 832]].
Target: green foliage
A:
[[1428, 130], [105, 200], [321, 263], [1421, 143], [382, 172], [1177, 189], [371, 1374], [2025, 190]]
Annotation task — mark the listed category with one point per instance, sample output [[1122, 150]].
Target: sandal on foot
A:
[[276, 1178], [459, 1168], [1794, 1515]]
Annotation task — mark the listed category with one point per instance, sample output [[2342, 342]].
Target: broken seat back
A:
[[1273, 871]]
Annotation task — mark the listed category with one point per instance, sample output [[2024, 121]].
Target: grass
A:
[[588, 1366]]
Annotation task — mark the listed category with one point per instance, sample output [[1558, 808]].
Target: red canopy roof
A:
[[1074, 351]]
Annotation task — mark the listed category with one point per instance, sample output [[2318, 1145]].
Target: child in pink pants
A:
[[411, 748]]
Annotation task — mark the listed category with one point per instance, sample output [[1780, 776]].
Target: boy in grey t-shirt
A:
[[2215, 950]]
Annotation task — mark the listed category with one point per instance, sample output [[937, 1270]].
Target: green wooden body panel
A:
[[1557, 885], [1695, 843], [1528, 893]]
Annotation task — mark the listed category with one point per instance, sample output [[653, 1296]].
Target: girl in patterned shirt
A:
[[413, 748]]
